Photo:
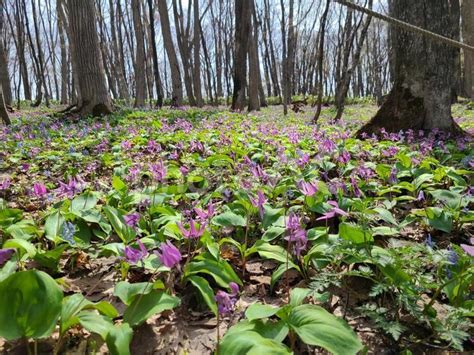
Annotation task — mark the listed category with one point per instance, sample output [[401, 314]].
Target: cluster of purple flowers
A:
[[226, 301], [295, 235]]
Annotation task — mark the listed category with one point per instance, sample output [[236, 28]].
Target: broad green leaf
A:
[[386, 215], [316, 326], [53, 225], [220, 269], [205, 290], [144, 306], [251, 343], [21, 244], [127, 291], [119, 338], [259, 311], [298, 295], [355, 234], [84, 202], [229, 219], [30, 305], [95, 323]]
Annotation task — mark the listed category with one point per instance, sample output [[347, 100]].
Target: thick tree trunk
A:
[[468, 37], [94, 96], [171, 52], [197, 55], [254, 63], [4, 77], [3, 109], [424, 70], [140, 80], [242, 32], [64, 62], [156, 72]]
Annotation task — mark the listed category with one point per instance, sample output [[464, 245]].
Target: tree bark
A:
[[197, 55], [94, 96], [156, 71], [171, 53], [242, 32], [468, 37], [4, 77], [424, 70], [140, 80]]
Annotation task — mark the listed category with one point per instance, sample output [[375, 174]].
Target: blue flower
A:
[[68, 231]]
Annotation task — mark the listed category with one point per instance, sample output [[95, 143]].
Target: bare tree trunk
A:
[[424, 70], [468, 36], [322, 35], [197, 55], [64, 62], [156, 72], [343, 86], [171, 52], [4, 71], [242, 32], [254, 64], [140, 80], [95, 99]]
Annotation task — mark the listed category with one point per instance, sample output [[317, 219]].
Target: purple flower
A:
[[74, 186], [469, 249], [307, 188], [133, 256], [258, 172], [355, 187], [205, 215], [184, 170], [158, 171], [126, 145], [5, 183], [393, 176], [153, 147], [169, 255], [421, 196], [5, 255], [192, 233], [133, 172], [344, 157], [39, 190], [258, 202], [132, 219], [295, 234], [333, 212], [226, 301]]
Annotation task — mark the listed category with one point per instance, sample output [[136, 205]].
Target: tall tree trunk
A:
[[94, 96], [4, 70], [242, 32], [42, 73], [343, 87], [254, 64], [468, 37], [171, 53], [322, 35], [64, 61], [197, 55], [140, 80], [156, 71], [424, 70]]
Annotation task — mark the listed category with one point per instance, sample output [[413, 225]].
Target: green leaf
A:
[[355, 234], [386, 215], [119, 339], [53, 225], [268, 328], [116, 220], [220, 269], [21, 244], [71, 306], [272, 216], [144, 306], [127, 291], [229, 219], [118, 184], [298, 295], [316, 326], [30, 305], [95, 323], [84, 202], [205, 290], [251, 343], [272, 233], [259, 311]]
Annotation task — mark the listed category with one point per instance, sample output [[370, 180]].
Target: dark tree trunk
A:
[[424, 70], [242, 32], [468, 37], [156, 72], [94, 96], [140, 80]]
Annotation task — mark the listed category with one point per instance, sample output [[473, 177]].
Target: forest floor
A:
[[388, 225]]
